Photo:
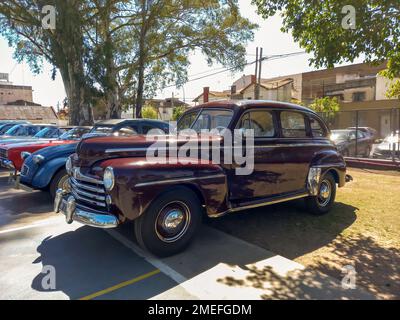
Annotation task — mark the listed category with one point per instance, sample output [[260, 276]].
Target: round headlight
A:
[[37, 158], [68, 165], [108, 178]]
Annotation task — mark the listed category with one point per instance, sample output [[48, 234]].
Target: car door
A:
[[298, 146], [264, 180]]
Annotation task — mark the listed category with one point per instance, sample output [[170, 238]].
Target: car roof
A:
[[244, 104], [118, 121]]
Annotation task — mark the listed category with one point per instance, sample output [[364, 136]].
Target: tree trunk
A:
[[141, 64], [80, 110]]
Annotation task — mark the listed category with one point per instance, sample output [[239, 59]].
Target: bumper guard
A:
[[65, 203]]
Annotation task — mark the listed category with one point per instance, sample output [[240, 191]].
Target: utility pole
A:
[[255, 75], [259, 73]]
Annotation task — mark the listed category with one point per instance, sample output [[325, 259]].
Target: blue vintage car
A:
[[45, 169]]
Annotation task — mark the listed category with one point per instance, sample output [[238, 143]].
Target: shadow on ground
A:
[[88, 260]]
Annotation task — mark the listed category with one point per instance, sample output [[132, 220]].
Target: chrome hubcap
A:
[[325, 192], [172, 221]]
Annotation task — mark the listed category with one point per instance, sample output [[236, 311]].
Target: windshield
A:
[[206, 119], [5, 127], [17, 130], [74, 134], [339, 135], [49, 132]]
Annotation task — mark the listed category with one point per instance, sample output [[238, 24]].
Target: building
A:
[[10, 92], [16, 103], [359, 88]]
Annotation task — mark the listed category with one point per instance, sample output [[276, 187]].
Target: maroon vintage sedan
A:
[[165, 184]]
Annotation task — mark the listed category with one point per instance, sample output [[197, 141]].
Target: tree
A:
[[170, 30], [320, 27], [177, 112], [327, 107], [149, 112], [65, 47]]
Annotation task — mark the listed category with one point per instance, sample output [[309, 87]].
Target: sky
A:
[[48, 92]]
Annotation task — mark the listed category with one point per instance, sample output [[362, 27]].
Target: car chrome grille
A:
[[3, 153], [89, 191]]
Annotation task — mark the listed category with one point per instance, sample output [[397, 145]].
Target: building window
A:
[[358, 96]]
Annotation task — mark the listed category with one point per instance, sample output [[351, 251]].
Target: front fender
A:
[[139, 182], [46, 172]]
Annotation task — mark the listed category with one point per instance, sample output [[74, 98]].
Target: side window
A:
[[126, 131], [262, 122], [147, 128], [293, 124], [360, 134], [316, 128], [33, 130]]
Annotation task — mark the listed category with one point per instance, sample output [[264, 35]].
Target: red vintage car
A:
[[12, 155]]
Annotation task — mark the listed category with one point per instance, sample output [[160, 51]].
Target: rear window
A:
[[316, 128], [293, 124]]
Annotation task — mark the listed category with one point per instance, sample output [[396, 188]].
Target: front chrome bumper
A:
[[8, 164], [65, 203]]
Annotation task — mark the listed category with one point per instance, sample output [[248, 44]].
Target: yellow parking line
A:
[[121, 285]]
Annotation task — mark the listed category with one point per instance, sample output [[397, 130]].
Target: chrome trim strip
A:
[[86, 187], [150, 183], [294, 197], [77, 196], [89, 195], [278, 145], [76, 173]]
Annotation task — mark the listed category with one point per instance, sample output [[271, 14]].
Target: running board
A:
[[265, 202]]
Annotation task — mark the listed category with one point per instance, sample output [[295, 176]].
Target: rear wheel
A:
[[60, 180], [170, 222], [323, 201]]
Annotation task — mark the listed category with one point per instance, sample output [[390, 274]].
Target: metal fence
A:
[[372, 133]]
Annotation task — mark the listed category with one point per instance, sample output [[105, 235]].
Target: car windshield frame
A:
[[105, 126], [198, 114], [67, 134]]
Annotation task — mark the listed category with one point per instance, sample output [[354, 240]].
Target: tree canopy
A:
[[118, 52], [318, 27]]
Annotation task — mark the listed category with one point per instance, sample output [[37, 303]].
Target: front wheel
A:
[[60, 180], [323, 201], [170, 222]]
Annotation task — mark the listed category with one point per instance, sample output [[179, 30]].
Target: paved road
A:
[[91, 263]]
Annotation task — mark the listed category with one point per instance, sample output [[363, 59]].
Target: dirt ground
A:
[[363, 230]]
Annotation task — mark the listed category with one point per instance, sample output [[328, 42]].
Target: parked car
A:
[[385, 149], [367, 130], [126, 127], [23, 130], [45, 169], [7, 124], [347, 140], [51, 132], [12, 155], [113, 182]]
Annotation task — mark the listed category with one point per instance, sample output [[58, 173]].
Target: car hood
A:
[[57, 151], [92, 150], [27, 144]]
